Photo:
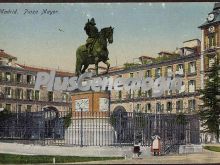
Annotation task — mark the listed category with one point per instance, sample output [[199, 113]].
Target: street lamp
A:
[[81, 130], [2, 96], [155, 117]]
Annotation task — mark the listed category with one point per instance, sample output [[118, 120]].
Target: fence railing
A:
[[99, 128]]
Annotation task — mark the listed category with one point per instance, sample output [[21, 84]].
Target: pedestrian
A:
[[156, 146]]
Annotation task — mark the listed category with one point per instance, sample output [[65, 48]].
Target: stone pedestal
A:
[[190, 148]]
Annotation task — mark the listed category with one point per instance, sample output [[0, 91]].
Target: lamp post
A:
[[155, 118], [81, 128], [219, 129], [218, 98], [2, 96]]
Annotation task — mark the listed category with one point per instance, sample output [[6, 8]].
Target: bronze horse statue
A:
[[99, 52]]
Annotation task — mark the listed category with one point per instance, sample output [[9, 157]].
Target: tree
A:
[[130, 65], [181, 119], [5, 114], [210, 112], [67, 120]]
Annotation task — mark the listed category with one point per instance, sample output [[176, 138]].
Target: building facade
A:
[[184, 63], [191, 62], [17, 92], [210, 47]]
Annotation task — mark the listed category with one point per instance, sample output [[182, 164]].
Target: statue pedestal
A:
[[90, 103]]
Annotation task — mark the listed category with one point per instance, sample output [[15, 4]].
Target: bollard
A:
[[54, 160]]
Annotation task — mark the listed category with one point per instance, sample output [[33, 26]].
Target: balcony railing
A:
[[180, 73], [27, 101], [191, 74], [143, 97], [16, 83]]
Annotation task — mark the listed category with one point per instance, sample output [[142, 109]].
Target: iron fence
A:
[[51, 127]]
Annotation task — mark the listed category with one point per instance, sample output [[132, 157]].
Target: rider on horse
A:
[[95, 50], [92, 32]]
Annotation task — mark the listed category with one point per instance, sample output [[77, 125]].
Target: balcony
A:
[[11, 82], [191, 74], [11, 100], [180, 73], [8, 96], [144, 98]]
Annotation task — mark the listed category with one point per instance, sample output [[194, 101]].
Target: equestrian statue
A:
[[95, 50]]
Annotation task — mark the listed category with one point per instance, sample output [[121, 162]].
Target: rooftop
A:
[[41, 69], [195, 39], [5, 55], [111, 69], [166, 53], [146, 57], [216, 12], [186, 47]]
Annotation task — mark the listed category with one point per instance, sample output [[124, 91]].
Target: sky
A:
[[139, 29]]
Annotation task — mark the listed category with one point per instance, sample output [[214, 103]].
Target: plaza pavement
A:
[[205, 157], [93, 151]]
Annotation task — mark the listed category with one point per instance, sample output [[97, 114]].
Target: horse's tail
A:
[[78, 62]]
